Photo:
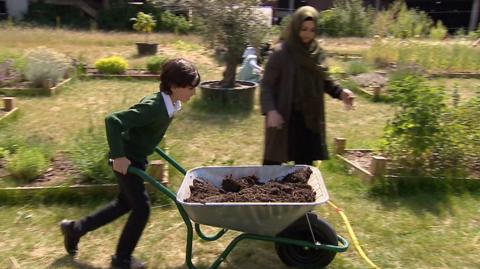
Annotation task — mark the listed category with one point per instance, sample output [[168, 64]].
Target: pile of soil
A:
[[370, 79], [361, 158], [292, 188], [60, 171]]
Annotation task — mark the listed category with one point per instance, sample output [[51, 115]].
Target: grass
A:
[[428, 230], [433, 57]]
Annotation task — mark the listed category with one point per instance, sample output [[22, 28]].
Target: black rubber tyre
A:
[[304, 257]]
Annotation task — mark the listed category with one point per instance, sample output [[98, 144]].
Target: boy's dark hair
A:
[[178, 72]]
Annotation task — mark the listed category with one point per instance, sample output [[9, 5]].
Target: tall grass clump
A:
[[26, 164], [432, 58], [90, 155]]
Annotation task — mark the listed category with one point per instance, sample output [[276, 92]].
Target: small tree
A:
[[230, 24], [144, 23]]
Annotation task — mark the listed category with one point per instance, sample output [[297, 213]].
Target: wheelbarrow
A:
[[301, 238]]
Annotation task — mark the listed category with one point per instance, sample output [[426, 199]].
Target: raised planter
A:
[[454, 75], [242, 96], [9, 110], [147, 48], [46, 90], [372, 92], [131, 73], [366, 171]]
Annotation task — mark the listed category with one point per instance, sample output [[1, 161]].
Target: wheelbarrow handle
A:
[[170, 160], [143, 175]]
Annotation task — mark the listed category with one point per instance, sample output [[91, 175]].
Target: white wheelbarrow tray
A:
[[256, 218]]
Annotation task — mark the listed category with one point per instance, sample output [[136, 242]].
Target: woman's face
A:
[[307, 31]]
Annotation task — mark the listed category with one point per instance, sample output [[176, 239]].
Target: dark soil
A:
[[370, 79], [360, 158], [61, 169], [292, 188]]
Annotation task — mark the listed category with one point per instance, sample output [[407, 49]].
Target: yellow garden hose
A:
[[352, 235]]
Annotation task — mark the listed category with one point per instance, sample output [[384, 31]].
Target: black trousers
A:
[[132, 197]]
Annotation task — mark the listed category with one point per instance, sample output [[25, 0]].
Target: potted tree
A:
[[145, 23], [230, 25]]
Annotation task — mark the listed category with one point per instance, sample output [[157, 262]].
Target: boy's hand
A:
[[121, 165]]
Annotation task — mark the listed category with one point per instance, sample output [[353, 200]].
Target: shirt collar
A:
[[172, 108]]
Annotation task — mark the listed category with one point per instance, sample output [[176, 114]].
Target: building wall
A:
[[17, 8]]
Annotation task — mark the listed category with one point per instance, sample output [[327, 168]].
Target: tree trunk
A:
[[228, 80]]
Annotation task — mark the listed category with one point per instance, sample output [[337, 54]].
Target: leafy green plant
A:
[[409, 22], [155, 63], [111, 65], [439, 32], [3, 153], [45, 64], [27, 163], [357, 67], [423, 137], [176, 24], [346, 18], [144, 23]]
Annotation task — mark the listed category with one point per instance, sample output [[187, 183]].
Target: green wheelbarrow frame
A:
[[188, 256]]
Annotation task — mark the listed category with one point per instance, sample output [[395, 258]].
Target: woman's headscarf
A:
[[308, 55]]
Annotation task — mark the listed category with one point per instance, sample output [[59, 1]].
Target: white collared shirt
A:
[[172, 108]]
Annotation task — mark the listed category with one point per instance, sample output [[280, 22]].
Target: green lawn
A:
[[430, 230]]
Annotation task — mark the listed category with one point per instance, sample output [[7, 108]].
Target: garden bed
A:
[[133, 73], [24, 88], [63, 174], [364, 163]]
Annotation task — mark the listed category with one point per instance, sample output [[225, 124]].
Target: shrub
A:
[[3, 153], [357, 67], [45, 64], [112, 65], [417, 139], [409, 22], [27, 164], [439, 32], [172, 23], [346, 18], [155, 63]]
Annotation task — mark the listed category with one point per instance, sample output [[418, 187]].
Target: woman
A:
[[292, 91], [250, 70]]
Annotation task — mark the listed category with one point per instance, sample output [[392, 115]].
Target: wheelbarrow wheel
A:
[[304, 257]]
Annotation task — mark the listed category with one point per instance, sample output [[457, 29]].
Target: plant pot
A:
[[146, 48], [242, 95]]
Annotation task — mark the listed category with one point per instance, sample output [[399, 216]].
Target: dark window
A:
[[3, 7]]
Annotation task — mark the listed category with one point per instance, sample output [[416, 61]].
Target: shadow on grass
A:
[[213, 111], [70, 262], [423, 195]]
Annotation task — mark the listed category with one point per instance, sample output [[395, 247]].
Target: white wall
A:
[[17, 8]]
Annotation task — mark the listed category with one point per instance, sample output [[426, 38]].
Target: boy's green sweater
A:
[[134, 133]]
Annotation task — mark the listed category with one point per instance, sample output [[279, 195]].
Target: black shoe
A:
[[131, 263], [70, 240]]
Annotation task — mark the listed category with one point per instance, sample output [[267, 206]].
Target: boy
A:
[[132, 135]]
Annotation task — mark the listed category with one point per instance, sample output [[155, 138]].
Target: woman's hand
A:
[[121, 165], [347, 97], [274, 119]]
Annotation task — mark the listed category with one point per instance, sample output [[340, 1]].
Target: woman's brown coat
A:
[[277, 91]]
